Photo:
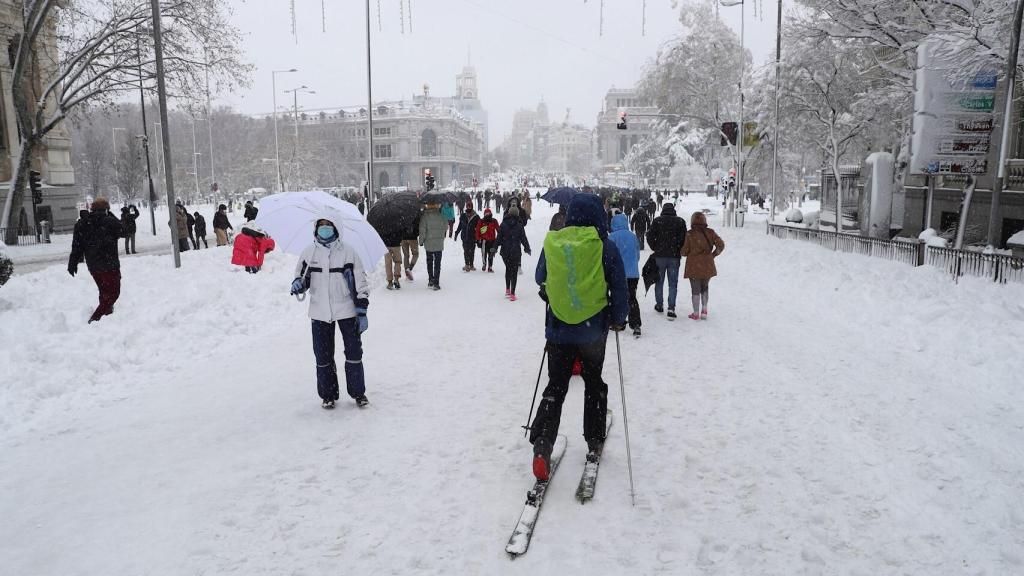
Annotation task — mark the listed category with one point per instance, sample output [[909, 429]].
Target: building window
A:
[[382, 131], [428, 143], [382, 150], [361, 133]]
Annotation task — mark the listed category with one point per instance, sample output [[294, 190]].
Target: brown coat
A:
[[701, 248]]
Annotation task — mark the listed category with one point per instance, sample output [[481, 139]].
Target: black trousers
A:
[[634, 304], [595, 396], [488, 257], [512, 264], [640, 233], [434, 267], [469, 252]]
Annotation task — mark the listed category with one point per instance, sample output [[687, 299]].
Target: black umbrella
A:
[[393, 215], [560, 195], [438, 197], [650, 273]]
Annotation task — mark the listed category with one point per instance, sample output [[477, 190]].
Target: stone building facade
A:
[[537, 143], [613, 144], [52, 159]]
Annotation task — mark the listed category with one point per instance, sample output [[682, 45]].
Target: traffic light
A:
[[729, 132], [622, 121], [36, 185], [428, 180]]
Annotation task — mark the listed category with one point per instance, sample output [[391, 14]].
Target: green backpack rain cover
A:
[[576, 286]]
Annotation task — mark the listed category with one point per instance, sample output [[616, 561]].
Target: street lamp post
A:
[[195, 157], [145, 131], [775, 128], [113, 140], [209, 120], [277, 145], [161, 90], [369, 110], [295, 110], [739, 138]]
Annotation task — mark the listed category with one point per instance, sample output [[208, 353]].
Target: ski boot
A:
[[594, 449], [542, 459]]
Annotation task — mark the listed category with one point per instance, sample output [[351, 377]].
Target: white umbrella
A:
[[290, 218]]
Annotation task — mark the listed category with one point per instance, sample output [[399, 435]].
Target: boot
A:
[[361, 401], [397, 285], [594, 449], [328, 405], [704, 314], [391, 285], [671, 314], [408, 275], [542, 459]]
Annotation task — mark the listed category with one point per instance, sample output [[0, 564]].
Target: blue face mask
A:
[[325, 232]]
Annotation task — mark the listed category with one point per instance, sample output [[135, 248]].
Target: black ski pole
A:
[[625, 421], [526, 429]]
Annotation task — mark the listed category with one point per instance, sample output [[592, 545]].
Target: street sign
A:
[[953, 119]]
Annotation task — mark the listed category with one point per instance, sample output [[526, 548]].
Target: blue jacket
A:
[[587, 210], [628, 247]]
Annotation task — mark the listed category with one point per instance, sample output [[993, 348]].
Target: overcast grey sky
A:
[[523, 50]]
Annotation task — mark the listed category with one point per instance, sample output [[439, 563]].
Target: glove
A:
[[618, 327], [297, 286], [364, 322], [72, 269]]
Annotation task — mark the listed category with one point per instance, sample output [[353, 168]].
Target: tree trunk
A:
[[17, 192]]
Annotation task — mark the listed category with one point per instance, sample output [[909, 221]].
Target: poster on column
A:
[[953, 116]]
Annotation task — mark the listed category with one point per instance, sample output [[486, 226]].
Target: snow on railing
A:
[[1001, 268]]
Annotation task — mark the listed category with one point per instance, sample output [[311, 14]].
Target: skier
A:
[[221, 225], [251, 246], [666, 237], [95, 241], [486, 234], [432, 232], [512, 242], [129, 214], [581, 277], [467, 234], [701, 248], [200, 228], [629, 250], [334, 275], [641, 221]]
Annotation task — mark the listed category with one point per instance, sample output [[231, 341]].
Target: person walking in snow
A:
[[629, 250], [391, 235], [250, 248], [221, 225], [666, 237], [200, 229], [511, 242], [181, 221], [129, 214], [250, 211], [95, 241], [331, 271], [581, 277], [411, 246], [640, 222], [448, 211], [701, 248], [467, 234], [486, 234], [432, 233]]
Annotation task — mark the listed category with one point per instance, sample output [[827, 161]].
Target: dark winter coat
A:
[[221, 222], [667, 233], [587, 210], [511, 239], [467, 228], [95, 240], [200, 225], [128, 217], [641, 221], [251, 212]]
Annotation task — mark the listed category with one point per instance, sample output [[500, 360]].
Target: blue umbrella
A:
[[560, 195]]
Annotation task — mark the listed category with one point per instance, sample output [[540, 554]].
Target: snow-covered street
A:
[[836, 415]]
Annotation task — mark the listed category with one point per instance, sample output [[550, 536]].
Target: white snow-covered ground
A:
[[836, 415]]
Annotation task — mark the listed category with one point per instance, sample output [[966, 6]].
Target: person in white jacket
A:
[[332, 273]]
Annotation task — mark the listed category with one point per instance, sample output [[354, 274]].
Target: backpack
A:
[[576, 287]]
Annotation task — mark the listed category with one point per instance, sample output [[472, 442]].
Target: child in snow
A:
[[250, 248]]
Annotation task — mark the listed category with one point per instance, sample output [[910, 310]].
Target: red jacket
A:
[[487, 231], [250, 247]]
